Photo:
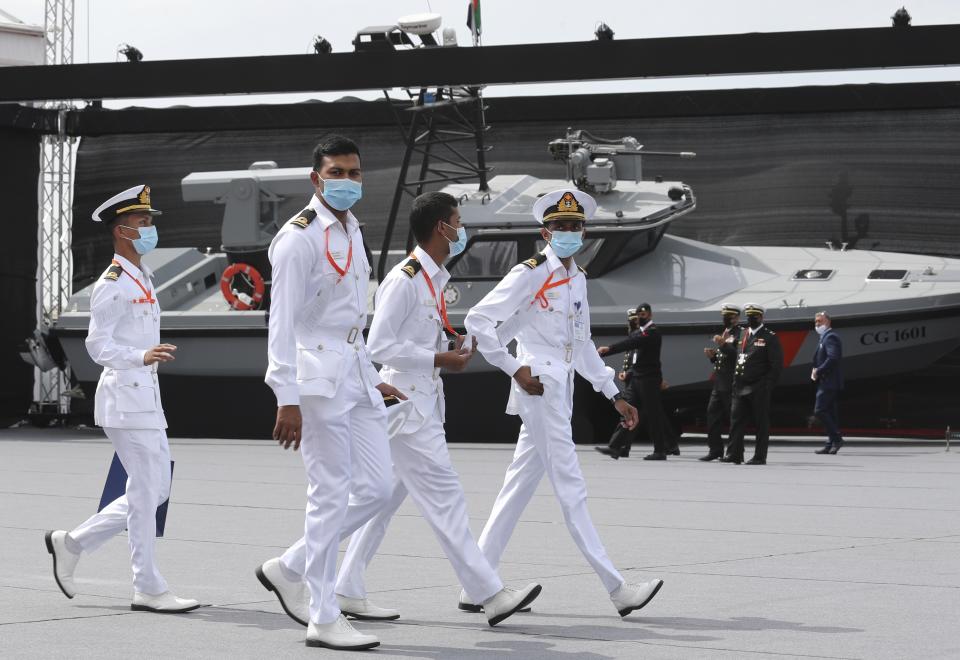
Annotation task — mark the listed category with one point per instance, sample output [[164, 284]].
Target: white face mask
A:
[[820, 329]]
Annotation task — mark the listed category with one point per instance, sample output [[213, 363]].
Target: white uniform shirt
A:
[[124, 324], [553, 338], [316, 316], [407, 333]]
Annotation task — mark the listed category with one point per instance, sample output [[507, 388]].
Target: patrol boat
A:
[[894, 312]]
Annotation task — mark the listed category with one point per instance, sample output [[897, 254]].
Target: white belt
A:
[[349, 336], [563, 355]]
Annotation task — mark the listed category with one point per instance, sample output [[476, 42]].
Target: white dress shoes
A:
[[292, 594], [339, 635], [629, 597], [363, 609], [64, 561], [508, 601], [165, 603], [467, 605]]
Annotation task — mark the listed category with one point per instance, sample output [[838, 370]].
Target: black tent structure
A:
[[797, 166]]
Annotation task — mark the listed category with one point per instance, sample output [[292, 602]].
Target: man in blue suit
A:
[[828, 376]]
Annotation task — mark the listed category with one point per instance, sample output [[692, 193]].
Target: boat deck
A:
[[846, 556]]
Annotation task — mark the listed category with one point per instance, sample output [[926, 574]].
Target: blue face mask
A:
[[566, 243], [341, 194], [459, 245], [147, 241]]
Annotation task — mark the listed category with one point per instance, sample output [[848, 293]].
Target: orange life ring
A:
[[253, 277]]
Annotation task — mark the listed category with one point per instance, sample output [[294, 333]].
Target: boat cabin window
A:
[[637, 245], [486, 258], [890, 275]]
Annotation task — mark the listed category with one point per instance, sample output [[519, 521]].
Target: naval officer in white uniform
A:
[[409, 337], [542, 303], [329, 395], [124, 338]]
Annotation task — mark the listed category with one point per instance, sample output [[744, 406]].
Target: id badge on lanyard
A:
[[579, 325]]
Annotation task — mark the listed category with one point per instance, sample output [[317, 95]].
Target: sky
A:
[[179, 29]]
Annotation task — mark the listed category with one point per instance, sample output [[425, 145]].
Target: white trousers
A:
[[546, 445], [347, 458], [422, 467], [145, 456]]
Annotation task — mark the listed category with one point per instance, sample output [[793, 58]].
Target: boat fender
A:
[[535, 260], [304, 218], [232, 296]]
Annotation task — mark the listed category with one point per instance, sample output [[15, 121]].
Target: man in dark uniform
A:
[[759, 363], [724, 358], [646, 380], [829, 379], [626, 377]]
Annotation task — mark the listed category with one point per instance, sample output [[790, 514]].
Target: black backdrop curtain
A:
[[878, 179], [19, 171]]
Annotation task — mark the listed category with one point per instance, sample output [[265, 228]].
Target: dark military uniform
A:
[[643, 391], [718, 408], [758, 367]]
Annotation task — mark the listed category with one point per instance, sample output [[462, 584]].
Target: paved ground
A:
[[848, 556]]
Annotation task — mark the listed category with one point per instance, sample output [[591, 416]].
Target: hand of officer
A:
[[288, 428], [813, 374], [159, 353], [622, 376], [603, 350], [628, 412], [664, 384], [710, 352], [718, 339], [455, 360], [390, 390], [530, 383]]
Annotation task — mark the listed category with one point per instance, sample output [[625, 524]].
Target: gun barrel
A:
[[643, 152]]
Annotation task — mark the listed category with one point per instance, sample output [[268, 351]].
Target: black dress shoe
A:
[[824, 450], [731, 459], [836, 447], [655, 457], [609, 451], [711, 457], [756, 461], [674, 452]]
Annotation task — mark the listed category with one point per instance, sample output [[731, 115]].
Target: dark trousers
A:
[[827, 410], [755, 404], [718, 413], [644, 394]]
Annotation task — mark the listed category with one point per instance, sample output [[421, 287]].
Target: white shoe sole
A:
[[157, 610], [316, 643], [359, 616]]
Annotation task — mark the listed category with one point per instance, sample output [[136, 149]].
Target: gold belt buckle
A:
[[352, 335]]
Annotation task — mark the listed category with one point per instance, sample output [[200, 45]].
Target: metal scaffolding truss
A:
[[443, 131], [54, 271]]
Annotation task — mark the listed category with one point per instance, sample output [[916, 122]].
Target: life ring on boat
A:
[[238, 299]]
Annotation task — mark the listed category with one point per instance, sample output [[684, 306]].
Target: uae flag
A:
[[473, 18]]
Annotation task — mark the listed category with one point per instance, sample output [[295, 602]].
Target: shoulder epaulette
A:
[[113, 273], [535, 260], [304, 218], [412, 267]]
